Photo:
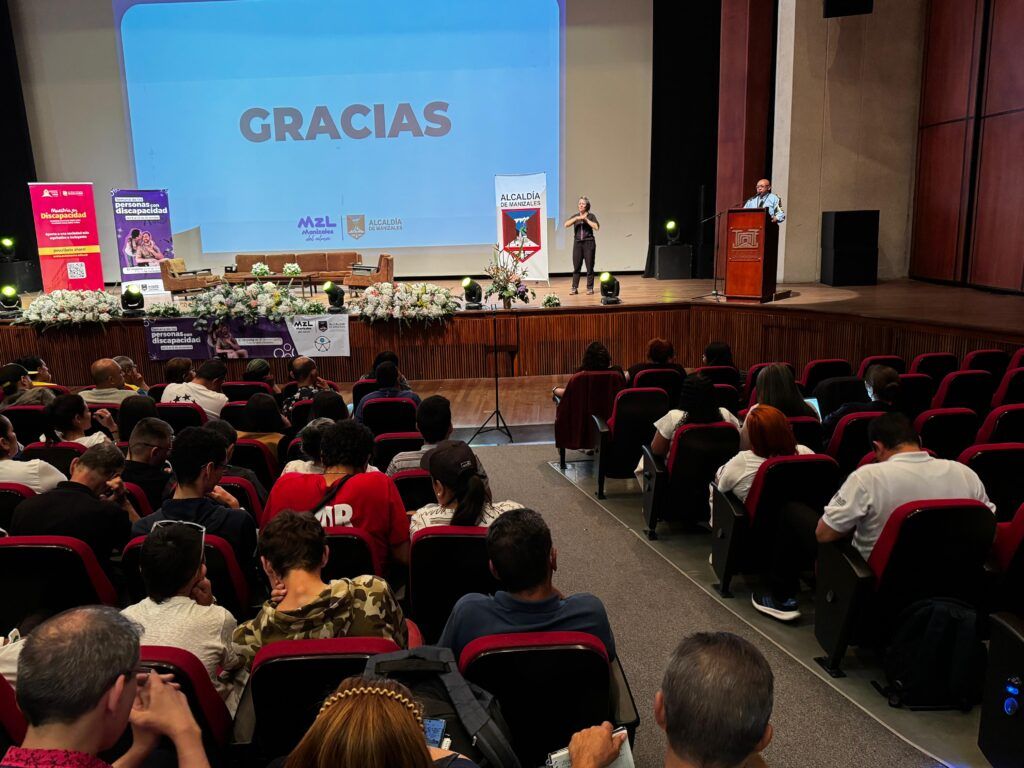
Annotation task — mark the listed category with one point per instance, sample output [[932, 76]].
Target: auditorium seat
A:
[[935, 364], [12, 722], [48, 574], [28, 421], [915, 394], [751, 383], [816, 371], [1017, 361], [995, 361], [1004, 424], [743, 534], [550, 685], [667, 379], [11, 495], [947, 431], [139, 500], [301, 413], [587, 394], [181, 415], [415, 487], [233, 413], [445, 563], [245, 493], [927, 549], [350, 553], [362, 388], [728, 397], [966, 389], [850, 440], [156, 391], [620, 439], [1011, 388], [390, 444], [294, 451], [720, 374], [836, 392], [676, 487], [807, 431], [256, 456], [1001, 469], [895, 362], [58, 455], [1007, 565], [290, 388], [243, 390], [390, 414]]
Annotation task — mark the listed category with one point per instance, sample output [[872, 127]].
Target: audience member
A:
[[264, 421], [308, 381], [863, 504], [386, 356], [68, 418], [259, 370], [776, 386], [37, 369], [434, 422], [178, 370], [718, 353], [596, 357], [133, 410], [328, 404], [462, 496], [79, 690], [19, 389], [110, 383], [370, 723], [34, 473], [227, 433], [697, 405], [661, 354], [715, 706], [883, 387], [179, 609], [293, 552], [523, 560], [133, 378], [770, 435], [91, 506], [149, 447], [346, 494], [198, 459], [312, 438], [203, 390], [387, 377]]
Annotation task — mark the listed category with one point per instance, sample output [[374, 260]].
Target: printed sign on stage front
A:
[[523, 220], [313, 335]]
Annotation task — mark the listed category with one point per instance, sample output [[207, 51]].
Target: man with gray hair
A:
[[714, 705], [79, 688], [133, 378]]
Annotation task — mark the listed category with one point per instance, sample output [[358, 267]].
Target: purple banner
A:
[[323, 335], [143, 224]]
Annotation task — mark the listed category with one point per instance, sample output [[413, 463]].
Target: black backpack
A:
[[935, 659], [472, 716]]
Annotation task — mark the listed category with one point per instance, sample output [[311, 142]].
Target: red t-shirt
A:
[[369, 501]]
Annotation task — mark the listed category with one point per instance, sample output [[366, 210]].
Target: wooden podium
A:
[[751, 255]]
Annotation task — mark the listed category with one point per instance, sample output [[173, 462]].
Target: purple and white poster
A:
[[143, 223], [312, 335]]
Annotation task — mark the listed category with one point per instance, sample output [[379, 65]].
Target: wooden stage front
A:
[[901, 317]]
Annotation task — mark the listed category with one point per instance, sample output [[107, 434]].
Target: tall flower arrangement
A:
[[406, 302], [58, 308], [508, 278]]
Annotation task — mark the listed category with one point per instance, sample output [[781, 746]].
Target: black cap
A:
[[10, 375], [448, 461]]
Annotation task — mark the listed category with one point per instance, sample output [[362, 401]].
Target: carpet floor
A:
[[652, 605]]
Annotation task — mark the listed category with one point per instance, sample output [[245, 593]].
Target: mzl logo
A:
[[316, 228]]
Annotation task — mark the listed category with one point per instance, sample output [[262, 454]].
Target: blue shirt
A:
[[772, 202], [478, 615], [379, 393]]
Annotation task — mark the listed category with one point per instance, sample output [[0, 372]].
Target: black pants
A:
[[583, 250], [796, 548]]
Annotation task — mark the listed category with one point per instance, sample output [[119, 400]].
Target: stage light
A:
[[132, 301], [10, 301], [609, 289], [335, 297], [6, 249], [672, 230], [472, 293]]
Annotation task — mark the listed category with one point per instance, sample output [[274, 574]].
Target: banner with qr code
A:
[[142, 220], [68, 236]]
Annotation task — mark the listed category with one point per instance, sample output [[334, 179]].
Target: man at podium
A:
[[765, 198]]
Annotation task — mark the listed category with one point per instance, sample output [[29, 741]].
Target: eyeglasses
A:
[[190, 524]]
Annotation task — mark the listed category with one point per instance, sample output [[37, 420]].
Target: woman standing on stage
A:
[[584, 225]]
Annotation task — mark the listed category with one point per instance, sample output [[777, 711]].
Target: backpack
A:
[[935, 659], [472, 716]]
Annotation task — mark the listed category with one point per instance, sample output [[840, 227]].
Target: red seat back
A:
[[12, 722], [994, 361], [390, 414], [915, 394], [721, 374], [59, 455], [156, 391], [947, 431], [668, 380], [11, 495], [28, 422], [966, 389], [415, 487], [631, 426], [301, 412], [850, 439], [728, 397], [234, 414], [181, 415], [817, 371], [362, 388], [350, 553], [245, 493], [696, 453], [1000, 466], [1004, 424], [390, 444], [586, 393], [837, 391], [257, 457], [935, 364], [243, 390], [895, 362], [807, 431], [138, 499], [1011, 388], [810, 479]]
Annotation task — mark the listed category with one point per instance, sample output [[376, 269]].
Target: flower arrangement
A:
[[163, 310], [408, 302], [291, 270], [551, 301], [261, 269], [58, 308], [508, 278], [249, 303]]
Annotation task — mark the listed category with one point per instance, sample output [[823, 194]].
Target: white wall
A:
[[67, 53]]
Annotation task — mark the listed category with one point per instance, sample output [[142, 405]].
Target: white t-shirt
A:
[[303, 467], [874, 491], [202, 630], [738, 473], [35, 473], [190, 392], [434, 514], [668, 423]]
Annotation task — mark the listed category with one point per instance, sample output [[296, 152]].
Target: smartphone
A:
[[434, 731]]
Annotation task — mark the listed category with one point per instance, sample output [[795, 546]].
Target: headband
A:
[[405, 701]]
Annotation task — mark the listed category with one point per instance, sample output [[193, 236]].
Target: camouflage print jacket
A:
[[359, 607]]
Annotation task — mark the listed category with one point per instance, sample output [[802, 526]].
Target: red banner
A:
[[68, 237]]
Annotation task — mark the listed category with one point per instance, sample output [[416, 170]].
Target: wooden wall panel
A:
[[947, 86], [1004, 80]]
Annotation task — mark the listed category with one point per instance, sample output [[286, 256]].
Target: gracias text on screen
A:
[[356, 121]]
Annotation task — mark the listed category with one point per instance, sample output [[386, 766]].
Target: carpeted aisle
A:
[[652, 605]]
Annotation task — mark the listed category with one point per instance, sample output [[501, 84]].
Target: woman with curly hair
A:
[[596, 357]]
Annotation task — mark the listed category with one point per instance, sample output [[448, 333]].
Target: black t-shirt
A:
[[152, 480], [582, 230]]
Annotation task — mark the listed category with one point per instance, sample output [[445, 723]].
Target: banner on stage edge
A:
[[143, 223], [311, 335], [67, 235], [522, 203]]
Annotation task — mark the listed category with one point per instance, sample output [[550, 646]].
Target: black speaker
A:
[[1001, 735], [833, 8], [673, 262], [23, 274], [849, 247]]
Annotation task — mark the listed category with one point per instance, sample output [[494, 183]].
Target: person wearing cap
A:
[[37, 369], [110, 386], [462, 496], [259, 370], [19, 389]]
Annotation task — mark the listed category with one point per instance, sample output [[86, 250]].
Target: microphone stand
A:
[[500, 425], [714, 269]]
